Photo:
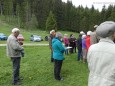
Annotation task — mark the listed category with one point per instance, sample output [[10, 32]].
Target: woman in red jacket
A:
[[88, 40]]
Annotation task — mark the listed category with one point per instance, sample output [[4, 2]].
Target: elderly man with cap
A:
[[58, 50], [52, 35], [93, 37], [101, 57], [14, 52]]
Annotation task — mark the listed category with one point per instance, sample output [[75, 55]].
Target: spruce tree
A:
[[51, 22]]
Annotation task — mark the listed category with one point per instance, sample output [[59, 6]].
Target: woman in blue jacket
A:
[[58, 50]]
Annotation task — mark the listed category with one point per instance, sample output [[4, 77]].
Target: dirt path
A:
[[29, 44]]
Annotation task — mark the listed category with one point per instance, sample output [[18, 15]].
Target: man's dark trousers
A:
[[16, 68], [57, 69], [52, 59]]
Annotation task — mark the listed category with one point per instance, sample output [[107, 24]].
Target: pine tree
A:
[[112, 17], [51, 22]]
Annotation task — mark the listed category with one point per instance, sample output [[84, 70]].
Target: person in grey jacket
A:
[[14, 52], [93, 37], [52, 35], [101, 57]]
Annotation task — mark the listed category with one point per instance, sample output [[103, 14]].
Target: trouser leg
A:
[[79, 54], [75, 49], [57, 69], [16, 68], [52, 59]]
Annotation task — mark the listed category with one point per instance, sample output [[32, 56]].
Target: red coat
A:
[[87, 42]]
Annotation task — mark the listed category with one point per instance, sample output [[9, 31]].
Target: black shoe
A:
[[61, 79], [16, 83], [21, 78]]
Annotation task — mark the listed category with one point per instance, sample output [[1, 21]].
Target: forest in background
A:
[[31, 14]]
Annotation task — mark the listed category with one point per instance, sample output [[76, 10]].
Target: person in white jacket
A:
[[101, 57]]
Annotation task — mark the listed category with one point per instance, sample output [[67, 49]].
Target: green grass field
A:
[[38, 71], [36, 67]]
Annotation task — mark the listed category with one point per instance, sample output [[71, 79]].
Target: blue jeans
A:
[[79, 54]]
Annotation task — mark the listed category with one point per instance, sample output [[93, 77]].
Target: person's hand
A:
[[20, 42]]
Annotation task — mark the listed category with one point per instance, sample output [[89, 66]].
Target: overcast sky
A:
[[98, 4]]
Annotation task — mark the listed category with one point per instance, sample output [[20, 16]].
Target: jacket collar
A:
[[106, 40], [13, 36]]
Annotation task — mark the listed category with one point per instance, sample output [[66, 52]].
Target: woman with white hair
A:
[[58, 50], [101, 57], [88, 40]]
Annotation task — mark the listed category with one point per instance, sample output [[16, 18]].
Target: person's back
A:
[[66, 41], [93, 38], [79, 43], [87, 42], [84, 43], [101, 57], [102, 63]]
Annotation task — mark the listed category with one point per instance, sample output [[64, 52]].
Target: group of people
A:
[[84, 41], [57, 47], [100, 56]]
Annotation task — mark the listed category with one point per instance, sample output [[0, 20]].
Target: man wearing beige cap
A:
[[101, 57]]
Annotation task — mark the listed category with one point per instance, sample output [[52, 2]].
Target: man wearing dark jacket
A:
[[79, 46]]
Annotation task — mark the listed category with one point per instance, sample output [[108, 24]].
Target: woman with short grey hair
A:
[[58, 50]]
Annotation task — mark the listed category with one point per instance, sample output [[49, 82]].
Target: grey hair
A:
[[15, 30], [58, 34], [52, 31]]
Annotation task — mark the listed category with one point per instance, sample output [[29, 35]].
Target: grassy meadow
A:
[[36, 67], [6, 29]]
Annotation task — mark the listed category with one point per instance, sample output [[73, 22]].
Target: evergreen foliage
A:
[[51, 22], [67, 16]]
